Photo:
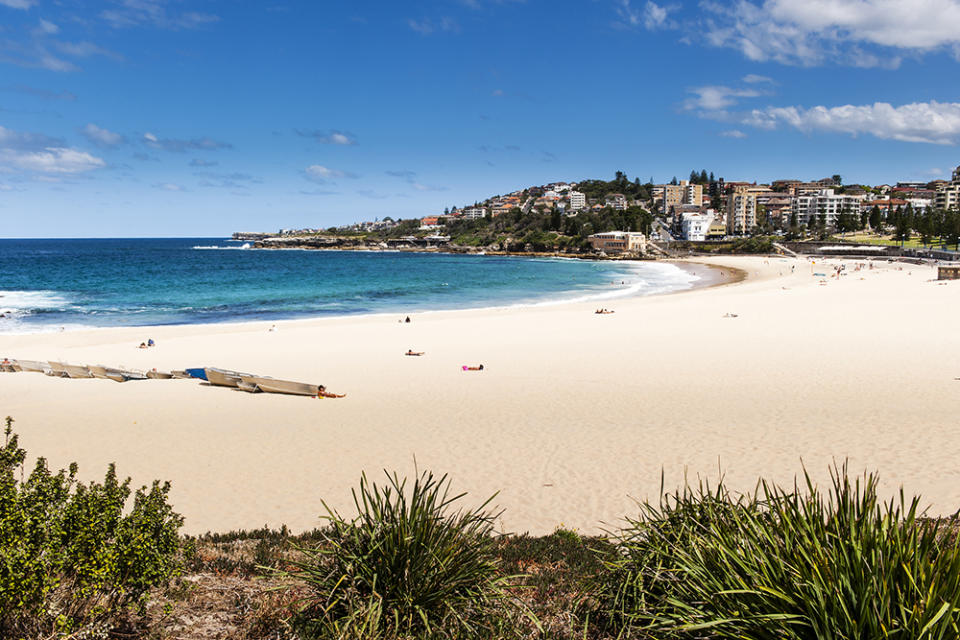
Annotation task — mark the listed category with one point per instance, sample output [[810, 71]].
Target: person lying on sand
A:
[[323, 393], [143, 345], [411, 352], [469, 368]]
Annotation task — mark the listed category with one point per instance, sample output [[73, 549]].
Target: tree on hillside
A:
[[876, 218], [837, 178]]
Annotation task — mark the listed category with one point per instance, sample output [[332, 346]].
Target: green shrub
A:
[[407, 564], [69, 558], [778, 564]]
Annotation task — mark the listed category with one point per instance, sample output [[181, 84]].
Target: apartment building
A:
[[578, 201], [616, 200], [741, 211], [675, 195], [948, 196], [809, 207], [474, 213]]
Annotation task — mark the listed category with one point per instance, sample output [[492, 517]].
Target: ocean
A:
[[46, 285]]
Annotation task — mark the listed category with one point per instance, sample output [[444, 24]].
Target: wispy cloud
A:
[[199, 162], [181, 145], [321, 174], [733, 133], [752, 78], [235, 180], [102, 137], [930, 122], [169, 186], [410, 177], [650, 16], [44, 94], [330, 136], [426, 26], [18, 4], [27, 141], [132, 13]]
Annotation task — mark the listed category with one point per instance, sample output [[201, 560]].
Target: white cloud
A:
[[102, 137], [180, 145], [426, 26], [55, 160], [716, 97], [131, 13], [328, 137], [18, 4], [47, 28], [169, 186], [26, 141], [733, 133], [321, 174], [930, 122], [862, 33], [752, 78], [652, 16]]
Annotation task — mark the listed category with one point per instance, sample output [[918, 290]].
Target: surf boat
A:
[[9, 366], [273, 385], [199, 372], [180, 373], [98, 371], [77, 371], [159, 375], [223, 377], [123, 375], [33, 365], [57, 370]]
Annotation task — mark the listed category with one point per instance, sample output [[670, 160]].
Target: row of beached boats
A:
[[219, 377]]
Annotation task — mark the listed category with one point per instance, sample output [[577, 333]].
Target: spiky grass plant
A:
[[411, 563], [785, 564]]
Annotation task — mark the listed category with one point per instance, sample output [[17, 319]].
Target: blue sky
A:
[[179, 118]]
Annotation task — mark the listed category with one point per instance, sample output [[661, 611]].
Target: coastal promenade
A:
[[573, 415]]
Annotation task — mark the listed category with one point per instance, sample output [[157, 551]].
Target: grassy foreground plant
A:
[[69, 557], [779, 564], [409, 563]]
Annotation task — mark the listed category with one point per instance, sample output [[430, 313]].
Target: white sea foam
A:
[[29, 300], [245, 245]]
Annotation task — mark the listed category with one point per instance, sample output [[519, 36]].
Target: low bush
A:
[[408, 564], [783, 564], [69, 557]]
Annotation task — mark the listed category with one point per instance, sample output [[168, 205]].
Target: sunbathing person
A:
[[323, 393], [411, 352], [469, 368]]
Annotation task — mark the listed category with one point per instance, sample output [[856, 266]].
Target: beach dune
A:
[[574, 416]]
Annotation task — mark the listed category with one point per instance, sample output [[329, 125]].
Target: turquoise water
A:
[[49, 284]]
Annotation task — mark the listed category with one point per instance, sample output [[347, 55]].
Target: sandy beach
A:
[[574, 415]]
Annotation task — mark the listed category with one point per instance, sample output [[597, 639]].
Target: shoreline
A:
[[573, 414], [710, 272]]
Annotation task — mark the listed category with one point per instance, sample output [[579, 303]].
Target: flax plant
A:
[[794, 564], [409, 564]]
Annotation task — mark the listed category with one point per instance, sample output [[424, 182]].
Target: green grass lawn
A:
[[873, 238]]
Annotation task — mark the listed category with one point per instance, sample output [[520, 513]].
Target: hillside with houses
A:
[[628, 218]]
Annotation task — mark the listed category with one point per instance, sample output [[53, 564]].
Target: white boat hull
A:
[[223, 378]]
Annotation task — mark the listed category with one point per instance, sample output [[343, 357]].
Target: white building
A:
[[578, 201], [474, 213], [948, 196], [694, 226], [824, 203], [617, 201]]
